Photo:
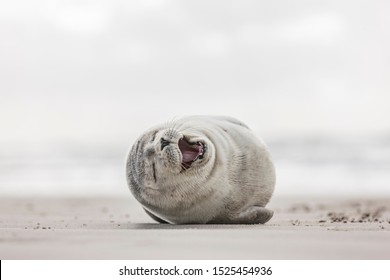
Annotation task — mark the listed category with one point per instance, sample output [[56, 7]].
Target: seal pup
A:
[[202, 169]]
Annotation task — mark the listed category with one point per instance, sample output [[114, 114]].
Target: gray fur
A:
[[231, 184]]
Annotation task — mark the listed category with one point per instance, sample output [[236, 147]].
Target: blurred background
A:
[[80, 80]]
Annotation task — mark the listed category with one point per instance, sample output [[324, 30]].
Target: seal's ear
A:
[[254, 215], [231, 120]]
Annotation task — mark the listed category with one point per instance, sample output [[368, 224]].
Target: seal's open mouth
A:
[[190, 151]]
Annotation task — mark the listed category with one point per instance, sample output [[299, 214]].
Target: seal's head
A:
[[163, 159]]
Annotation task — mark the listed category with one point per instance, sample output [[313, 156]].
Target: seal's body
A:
[[202, 169]]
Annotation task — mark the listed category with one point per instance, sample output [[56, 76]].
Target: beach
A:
[[117, 228]]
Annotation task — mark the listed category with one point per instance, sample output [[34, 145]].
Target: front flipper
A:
[[154, 217], [253, 215]]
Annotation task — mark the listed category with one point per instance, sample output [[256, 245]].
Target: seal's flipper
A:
[[154, 217], [254, 215]]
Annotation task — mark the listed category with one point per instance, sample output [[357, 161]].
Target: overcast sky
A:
[[87, 71], [80, 80]]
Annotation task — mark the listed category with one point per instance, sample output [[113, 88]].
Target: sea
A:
[[311, 166]]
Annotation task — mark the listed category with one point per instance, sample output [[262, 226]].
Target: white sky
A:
[[98, 73], [79, 70]]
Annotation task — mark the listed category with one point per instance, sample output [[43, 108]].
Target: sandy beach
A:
[[117, 228]]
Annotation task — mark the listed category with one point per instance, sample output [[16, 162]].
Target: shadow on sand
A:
[[155, 226]]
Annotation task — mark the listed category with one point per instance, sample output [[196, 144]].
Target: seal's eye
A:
[[164, 143], [153, 136]]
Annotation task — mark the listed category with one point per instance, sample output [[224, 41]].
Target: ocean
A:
[[305, 167]]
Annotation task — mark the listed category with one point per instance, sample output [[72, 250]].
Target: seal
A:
[[202, 169]]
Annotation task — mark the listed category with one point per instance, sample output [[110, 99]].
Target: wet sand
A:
[[117, 228]]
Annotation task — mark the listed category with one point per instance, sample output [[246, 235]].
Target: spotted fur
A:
[[231, 183]]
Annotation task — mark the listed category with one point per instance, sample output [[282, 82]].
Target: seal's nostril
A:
[[164, 143]]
